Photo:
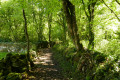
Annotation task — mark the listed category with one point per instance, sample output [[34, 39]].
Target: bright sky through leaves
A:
[[3, 0]]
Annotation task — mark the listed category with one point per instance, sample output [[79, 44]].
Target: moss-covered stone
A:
[[22, 56], [24, 75], [14, 76], [13, 63], [1, 74], [6, 70], [8, 56], [1, 65], [2, 78]]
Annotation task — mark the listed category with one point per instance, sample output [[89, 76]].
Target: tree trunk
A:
[[49, 26], [62, 22], [27, 38], [38, 24], [69, 10], [90, 16], [40, 27], [64, 27]]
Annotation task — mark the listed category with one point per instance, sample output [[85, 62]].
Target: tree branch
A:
[[117, 2], [111, 10], [84, 9]]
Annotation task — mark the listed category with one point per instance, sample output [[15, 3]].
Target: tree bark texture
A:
[[69, 10]]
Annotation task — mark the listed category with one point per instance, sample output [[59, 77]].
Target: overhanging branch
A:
[[111, 10], [117, 2]]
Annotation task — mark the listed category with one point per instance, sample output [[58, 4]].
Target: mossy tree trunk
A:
[[90, 16], [69, 10]]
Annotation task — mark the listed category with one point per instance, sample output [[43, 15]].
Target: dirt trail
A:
[[45, 67]]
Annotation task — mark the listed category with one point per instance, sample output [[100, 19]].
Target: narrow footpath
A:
[[45, 67]]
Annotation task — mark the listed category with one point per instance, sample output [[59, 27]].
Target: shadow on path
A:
[[45, 67]]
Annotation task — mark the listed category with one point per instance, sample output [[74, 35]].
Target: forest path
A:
[[45, 67]]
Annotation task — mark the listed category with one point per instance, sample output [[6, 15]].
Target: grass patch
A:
[[3, 54]]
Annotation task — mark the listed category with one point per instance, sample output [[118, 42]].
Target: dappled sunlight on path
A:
[[45, 68]]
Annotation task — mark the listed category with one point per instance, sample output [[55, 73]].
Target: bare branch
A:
[[117, 2], [111, 10], [84, 9]]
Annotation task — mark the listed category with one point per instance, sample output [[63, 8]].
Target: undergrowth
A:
[[65, 62], [89, 66]]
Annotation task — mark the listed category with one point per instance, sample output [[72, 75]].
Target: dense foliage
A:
[[86, 33]]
